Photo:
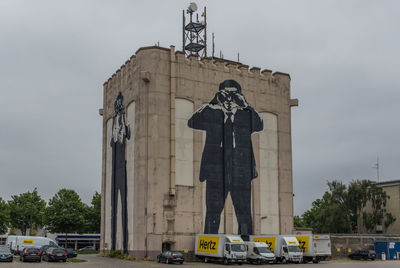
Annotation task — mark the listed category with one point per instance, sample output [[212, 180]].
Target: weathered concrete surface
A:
[[166, 205]]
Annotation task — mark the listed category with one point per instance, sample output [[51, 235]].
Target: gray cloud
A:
[[342, 57]]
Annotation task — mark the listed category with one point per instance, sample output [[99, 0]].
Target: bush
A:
[[116, 254]]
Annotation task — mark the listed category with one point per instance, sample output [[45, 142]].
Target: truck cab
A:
[[290, 250], [234, 250], [259, 252]]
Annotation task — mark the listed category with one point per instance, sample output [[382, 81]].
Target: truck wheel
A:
[[258, 261], [205, 260], [284, 260], [226, 261]]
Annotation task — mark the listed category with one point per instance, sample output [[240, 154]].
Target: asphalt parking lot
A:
[[94, 261]]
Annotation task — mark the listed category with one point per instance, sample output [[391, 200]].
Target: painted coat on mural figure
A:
[[120, 132], [228, 163]]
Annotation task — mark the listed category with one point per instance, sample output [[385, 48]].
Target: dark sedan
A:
[[71, 253], [45, 247], [5, 254], [31, 254], [55, 254], [170, 257], [363, 255]]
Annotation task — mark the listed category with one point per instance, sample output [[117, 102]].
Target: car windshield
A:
[[59, 250], [238, 248], [264, 250], [5, 250], [294, 249], [177, 254], [32, 250]]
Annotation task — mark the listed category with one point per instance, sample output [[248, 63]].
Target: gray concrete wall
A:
[[343, 245]]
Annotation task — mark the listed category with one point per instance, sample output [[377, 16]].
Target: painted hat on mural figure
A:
[[119, 103], [230, 84]]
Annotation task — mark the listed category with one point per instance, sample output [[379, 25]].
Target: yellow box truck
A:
[[220, 248]]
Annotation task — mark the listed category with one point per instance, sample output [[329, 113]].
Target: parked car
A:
[[45, 247], [18, 243], [31, 254], [89, 248], [55, 254], [363, 255], [170, 257], [5, 254], [71, 253]]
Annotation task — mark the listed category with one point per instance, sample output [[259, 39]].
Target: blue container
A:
[[381, 247], [390, 249]]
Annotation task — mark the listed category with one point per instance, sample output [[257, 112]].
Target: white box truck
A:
[[259, 252], [285, 247], [11, 242], [315, 248], [322, 244], [18, 243], [220, 247]]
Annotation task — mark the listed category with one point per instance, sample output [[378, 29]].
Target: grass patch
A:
[[88, 252], [76, 260]]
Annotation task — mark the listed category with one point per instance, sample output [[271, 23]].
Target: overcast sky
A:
[[342, 57]]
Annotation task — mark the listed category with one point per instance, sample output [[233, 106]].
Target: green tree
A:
[[341, 207], [357, 198], [329, 214], [377, 198], [298, 221], [4, 217], [310, 217], [65, 213], [334, 215], [19, 208], [93, 215]]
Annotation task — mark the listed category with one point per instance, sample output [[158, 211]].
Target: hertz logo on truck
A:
[[208, 244]]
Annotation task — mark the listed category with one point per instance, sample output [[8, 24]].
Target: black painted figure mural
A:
[[228, 163], [120, 132]]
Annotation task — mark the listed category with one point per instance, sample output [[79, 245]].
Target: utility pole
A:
[[30, 222], [23, 216]]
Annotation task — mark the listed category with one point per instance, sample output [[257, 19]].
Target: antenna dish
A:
[[192, 7]]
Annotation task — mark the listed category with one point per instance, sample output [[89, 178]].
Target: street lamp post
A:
[[30, 223], [23, 216]]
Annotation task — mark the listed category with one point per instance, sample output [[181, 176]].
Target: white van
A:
[[285, 247], [11, 242], [259, 252], [18, 243]]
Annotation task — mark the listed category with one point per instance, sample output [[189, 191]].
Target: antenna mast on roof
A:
[[376, 166], [194, 33]]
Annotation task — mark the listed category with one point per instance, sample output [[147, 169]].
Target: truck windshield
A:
[[294, 249], [238, 248], [264, 250]]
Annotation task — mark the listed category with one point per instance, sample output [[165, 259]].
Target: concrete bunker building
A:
[[165, 200]]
